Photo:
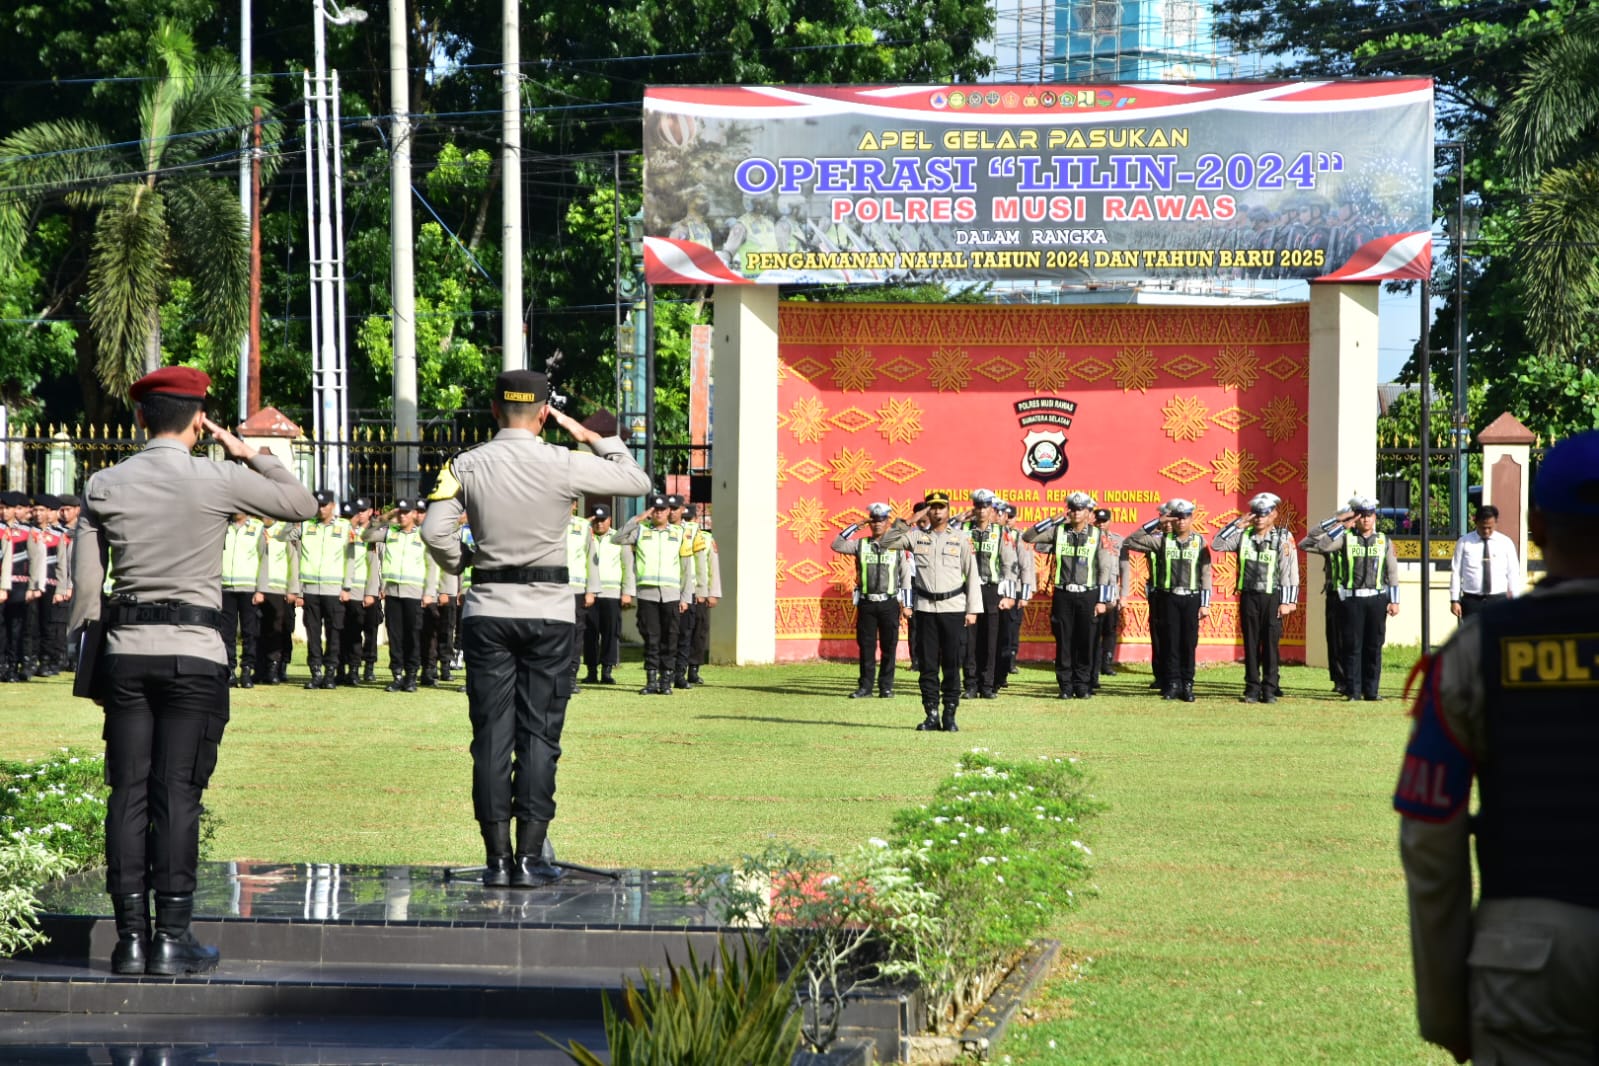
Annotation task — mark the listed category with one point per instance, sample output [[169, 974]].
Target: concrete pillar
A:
[[1506, 479], [1343, 423], [743, 473]]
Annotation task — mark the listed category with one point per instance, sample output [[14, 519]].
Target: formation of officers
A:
[[35, 583], [960, 582]]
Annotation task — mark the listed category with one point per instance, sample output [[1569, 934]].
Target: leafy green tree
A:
[[33, 346], [160, 211]]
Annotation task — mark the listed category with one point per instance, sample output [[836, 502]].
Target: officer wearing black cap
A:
[[677, 515], [1368, 592], [358, 646], [882, 597], [403, 576], [1180, 570], [162, 673], [46, 584], [657, 572], [578, 550], [243, 563], [694, 638], [1026, 583], [945, 596], [517, 628], [1268, 590], [602, 636], [1509, 701], [17, 598]]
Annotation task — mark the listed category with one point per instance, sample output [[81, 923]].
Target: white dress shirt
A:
[[1465, 573]]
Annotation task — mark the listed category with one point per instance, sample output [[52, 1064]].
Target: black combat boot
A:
[[862, 691], [329, 681], [348, 678], [1188, 692], [173, 949], [370, 674], [316, 678], [410, 682], [591, 678], [649, 684], [929, 724], [606, 677], [283, 672], [445, 674], [497, 853], [948, 724], [694, 677], [429, 678], [680, 678], [247, 675], [132, 914], [529, 868]]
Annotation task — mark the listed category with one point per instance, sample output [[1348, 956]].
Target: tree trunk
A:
[[152, 342]]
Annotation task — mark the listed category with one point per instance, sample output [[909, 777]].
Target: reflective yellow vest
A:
[[241, 554]]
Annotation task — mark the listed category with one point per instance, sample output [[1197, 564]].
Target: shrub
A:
[[59, 803], [24, 865], [740, 1016], [948, 901]]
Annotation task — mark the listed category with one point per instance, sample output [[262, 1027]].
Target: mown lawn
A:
[[1250, 905]]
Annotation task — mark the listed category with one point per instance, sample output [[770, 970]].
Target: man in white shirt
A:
[[1485, 567]]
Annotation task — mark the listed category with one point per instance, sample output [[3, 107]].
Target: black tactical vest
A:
[[1538, 824]]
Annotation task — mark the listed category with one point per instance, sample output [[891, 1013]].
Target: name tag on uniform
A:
[[952, 549], [1558, 661]]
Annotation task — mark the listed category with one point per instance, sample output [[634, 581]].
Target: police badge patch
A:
[[1044, 455]]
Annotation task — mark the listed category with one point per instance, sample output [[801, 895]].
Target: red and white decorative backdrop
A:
[[883, 403]]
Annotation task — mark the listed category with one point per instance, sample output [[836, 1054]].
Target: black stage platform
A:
[[350, 964]]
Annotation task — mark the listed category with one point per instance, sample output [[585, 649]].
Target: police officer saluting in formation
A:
[[1268, 590], [1368, 593], [1109, 624], [1509, 700], [882, 597], [1085, 572], [1180, 569], [163, 676], [319, 576], [946, 595], [517, 629], [243, 571], [602, 635], [658, 572]]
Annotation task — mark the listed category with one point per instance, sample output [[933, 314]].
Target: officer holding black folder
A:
[[162, 675]]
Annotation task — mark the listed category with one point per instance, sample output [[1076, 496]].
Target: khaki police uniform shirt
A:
[[1151, 543], [1437, 855], [628, 538], [1321, 542], [519, 490], [1104, 561], [848, 544], [162, 514], [944, 562], [1231, 538]]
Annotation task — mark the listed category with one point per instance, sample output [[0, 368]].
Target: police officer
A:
[[1368, 592], [48, 583], [1026, 583], [882, 596], [71, 508], [1180, 568], [996, 575], [1154, 602], [358, 641], [19, 594], [1084, 575], [517, 629], [243, 563], [694, 632], [1331, 581], [1268, 590], [707, 576], [319, 577], [404, 572], [162, 675], [658, 572], [1109, 623], [438, 624], [945, 594], [277, 609], [1509, 700], [602, 636], [579, 547]]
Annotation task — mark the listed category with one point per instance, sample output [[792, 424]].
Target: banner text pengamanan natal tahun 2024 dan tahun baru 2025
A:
[[1323, 180]]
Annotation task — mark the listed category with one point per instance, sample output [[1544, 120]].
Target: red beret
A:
[[182, 381]]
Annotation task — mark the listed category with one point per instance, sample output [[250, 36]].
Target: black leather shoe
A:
[[1249, 697], [948, 724], [173, 948], [649, 684], [1083, 693], [1351, 699], [410, 682], [862, 693], [694, 677], [429, 679], [1188, 693], [680, 681], [607, 679], [1066, 694], [329, 681], [1373, 699], [132, 914], [445, 673], [531, 871], [969, 694], [885, 694], [990, 694], [1109, 668], [316, 680], [246, 681], [397, 685], [370, 674], [497, 871], [497, 853], [1269, 697], [1169, 692], [591, 678], [929, 724]]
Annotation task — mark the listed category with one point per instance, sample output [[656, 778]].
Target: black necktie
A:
[[1487, 571]]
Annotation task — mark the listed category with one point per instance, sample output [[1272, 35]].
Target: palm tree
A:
[[1549, 125], [159, 204]]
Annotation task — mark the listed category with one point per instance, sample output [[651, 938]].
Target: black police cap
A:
[[325, 497], [521, 386], [599, 512], [674, 500], [657, 501]]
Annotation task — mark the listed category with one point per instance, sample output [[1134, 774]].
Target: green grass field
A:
[[1250, 906]]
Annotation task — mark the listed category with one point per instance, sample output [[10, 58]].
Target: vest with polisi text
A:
[[1537, 825]]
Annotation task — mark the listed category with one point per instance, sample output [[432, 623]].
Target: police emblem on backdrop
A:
[[1044, 454]]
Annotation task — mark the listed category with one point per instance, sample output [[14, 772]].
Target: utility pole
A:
[[511, 335], [246, 195], [403, 324]]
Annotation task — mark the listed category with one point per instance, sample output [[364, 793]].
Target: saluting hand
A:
[[580, 433], [232, 446]]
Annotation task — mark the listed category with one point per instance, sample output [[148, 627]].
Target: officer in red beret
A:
[[162, 670]]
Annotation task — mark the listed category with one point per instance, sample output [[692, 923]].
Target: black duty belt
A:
[[934, 597], [162, 614], [522, 575]]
